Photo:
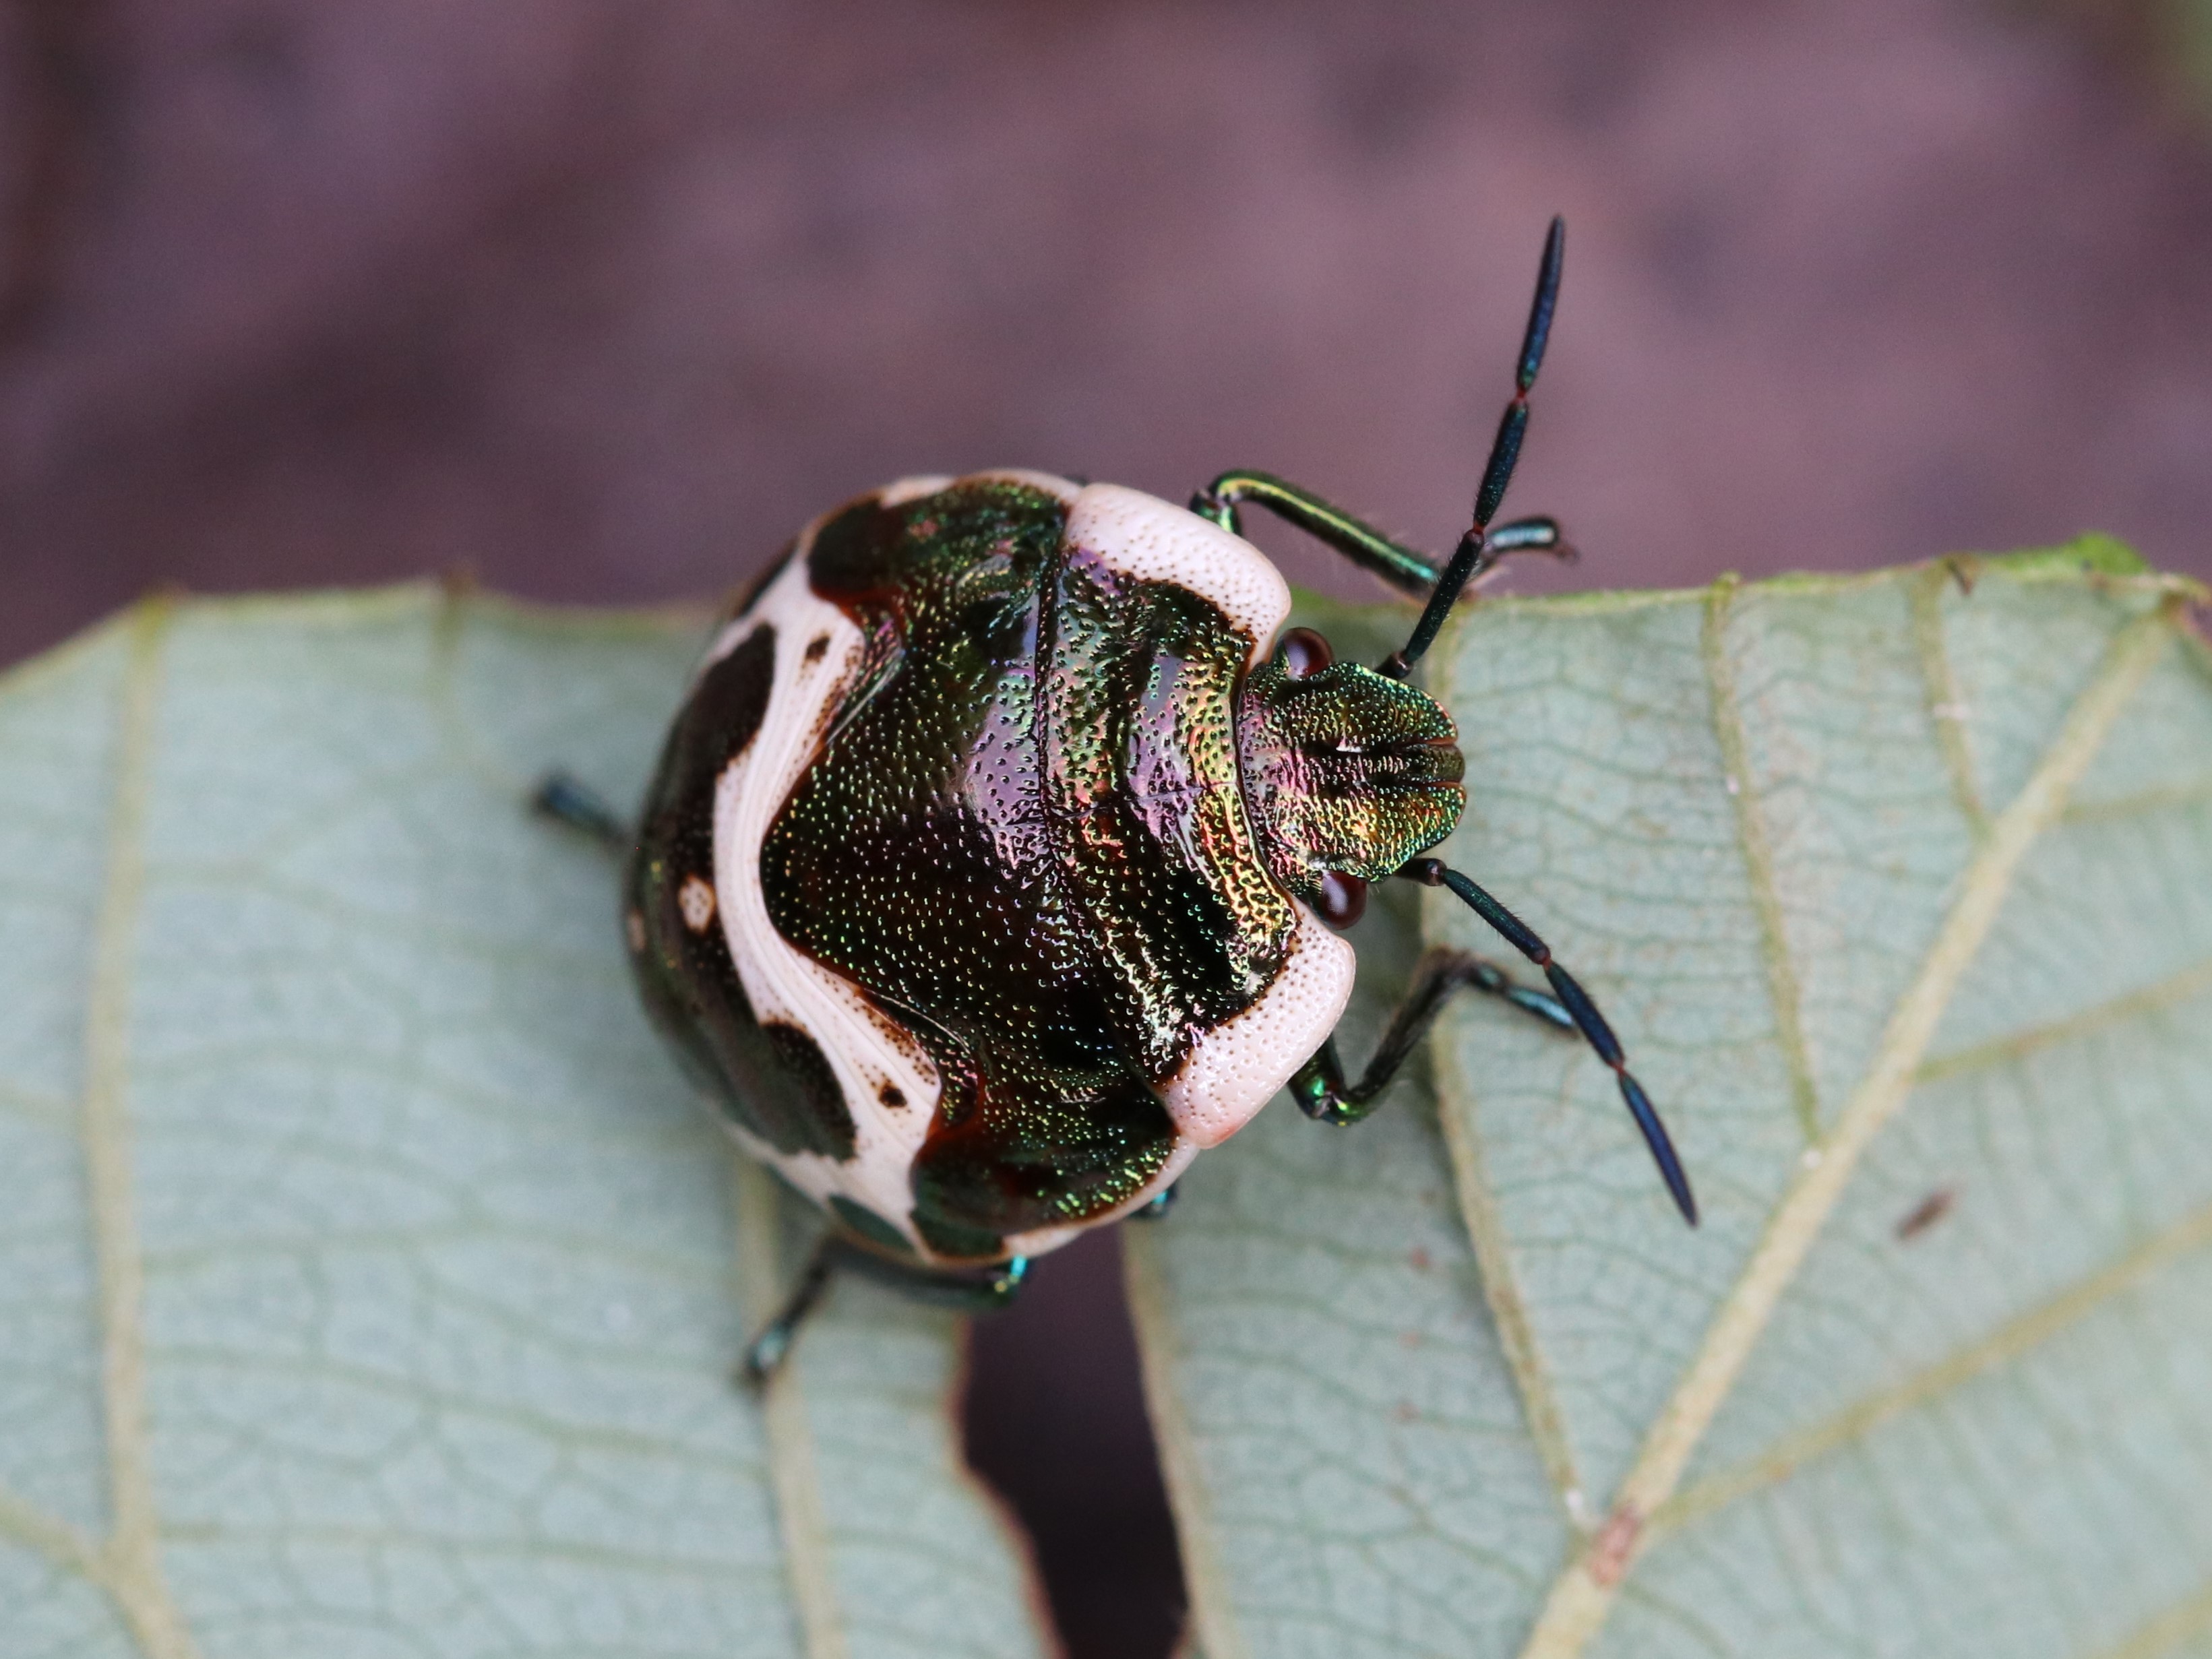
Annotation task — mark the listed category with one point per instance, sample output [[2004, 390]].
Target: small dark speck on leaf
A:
[[1419, 1258], [1962, 572], [1926, 1213]]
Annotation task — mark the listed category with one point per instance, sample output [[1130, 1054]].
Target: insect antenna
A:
[[1475, 550], [1577, 1001]]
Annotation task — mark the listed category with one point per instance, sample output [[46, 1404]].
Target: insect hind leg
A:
[[980, 1292]]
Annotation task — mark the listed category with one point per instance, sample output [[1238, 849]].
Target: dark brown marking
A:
[[805, 1063], [1035, 1160], [689, 983], [818, 647], [951, 1239], [1926, 1213], [891, 1095], [869, 1227]]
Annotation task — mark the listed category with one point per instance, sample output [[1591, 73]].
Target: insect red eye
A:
[[1343, 899], [1302, 651]]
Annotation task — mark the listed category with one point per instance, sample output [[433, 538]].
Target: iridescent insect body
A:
[[993, 864]]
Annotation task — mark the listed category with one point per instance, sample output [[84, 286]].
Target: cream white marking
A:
[[1066, 489], [865, 1053], [1235, 1069], [696, 901], [902, 490], [1151, 540]]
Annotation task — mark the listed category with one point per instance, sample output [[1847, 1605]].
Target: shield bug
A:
[[993, 863]]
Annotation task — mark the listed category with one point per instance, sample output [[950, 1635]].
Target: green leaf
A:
[[1899, 890], [369, 1284]]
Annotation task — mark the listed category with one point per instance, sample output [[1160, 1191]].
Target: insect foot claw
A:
[[764, 1357]]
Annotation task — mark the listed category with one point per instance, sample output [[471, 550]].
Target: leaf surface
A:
[[1898, 890], [369, 1283]]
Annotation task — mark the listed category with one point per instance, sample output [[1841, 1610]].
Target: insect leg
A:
[[968, 1292], [1405, 568], [941, 1287], [1156, 1206], [766, 1351], [568, 801], [1319, 1086], [1474, 547], [1402, 567], [1577, 1002]]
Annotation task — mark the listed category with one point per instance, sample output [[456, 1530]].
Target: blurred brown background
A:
[[602, 298]]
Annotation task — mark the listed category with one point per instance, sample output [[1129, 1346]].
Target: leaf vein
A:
[[2163, 994], [2009, 1341], [133, 1551], [1205, 1575], [1759, 860], [1584, 1595], [2142, 803], [793, 1475], [25, 1523], [1509, 1309], [1946, 710], [2186, 1619]]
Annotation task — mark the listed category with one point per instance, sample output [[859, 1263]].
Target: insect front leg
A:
[[1575, 1004], [1319, 1086], [1406, 569]]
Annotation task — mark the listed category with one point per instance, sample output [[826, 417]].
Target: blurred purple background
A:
[[601, 299]]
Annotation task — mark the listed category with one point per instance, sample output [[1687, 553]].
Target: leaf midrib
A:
[[794, 1475]]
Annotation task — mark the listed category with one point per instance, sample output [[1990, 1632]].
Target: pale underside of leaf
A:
[[372, 1281], [1710, 893], [1578, 1602]]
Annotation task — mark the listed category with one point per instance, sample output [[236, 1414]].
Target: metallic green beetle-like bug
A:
[[993, 863]]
